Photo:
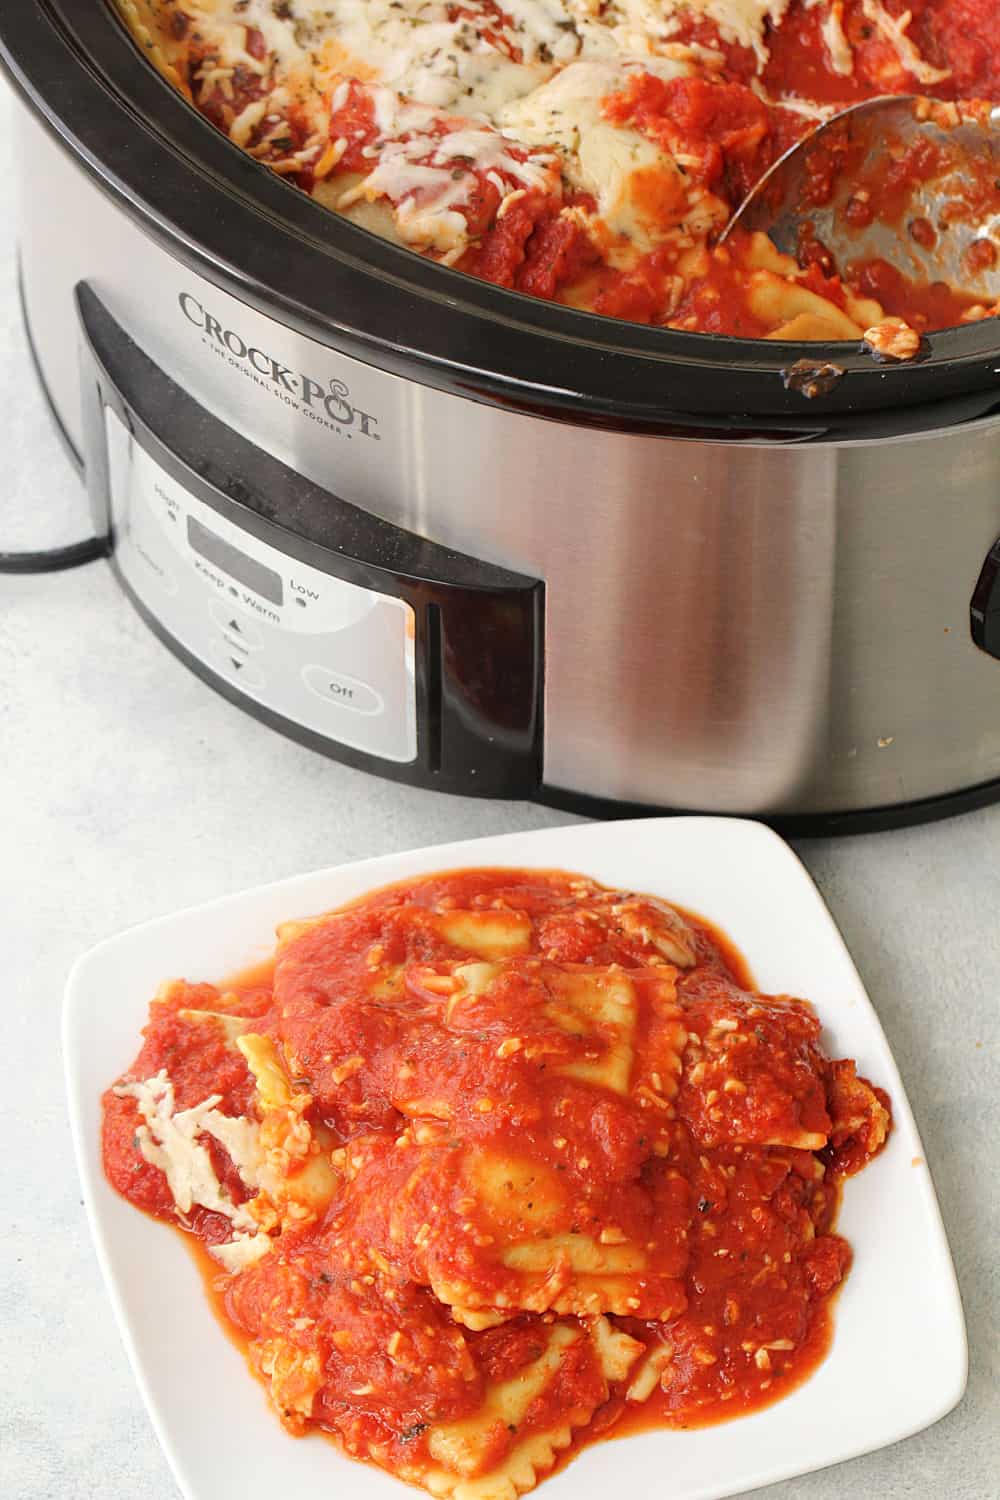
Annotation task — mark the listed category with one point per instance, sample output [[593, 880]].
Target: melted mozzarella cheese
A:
[[227, 27], [538, 69], [457, 88], [475, 63], [169, 1140], [739, 21], [413, 48], [542, 30], [614, 164], [429, 176]]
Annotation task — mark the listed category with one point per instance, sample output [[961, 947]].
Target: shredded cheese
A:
[[739, 21], [838, 48], [894, 29], [429, 175], [430, 121]]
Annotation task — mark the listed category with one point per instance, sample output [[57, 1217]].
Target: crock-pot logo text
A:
[[329, 404]]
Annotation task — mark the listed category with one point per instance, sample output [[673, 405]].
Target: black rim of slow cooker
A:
[[230, 218]]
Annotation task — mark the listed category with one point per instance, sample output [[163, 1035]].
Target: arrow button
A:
[[243, 670], [233, 624]]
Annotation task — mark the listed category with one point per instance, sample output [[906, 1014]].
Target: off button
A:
[[346, 692]]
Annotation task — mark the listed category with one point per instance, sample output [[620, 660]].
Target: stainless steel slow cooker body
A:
[[735, 598]]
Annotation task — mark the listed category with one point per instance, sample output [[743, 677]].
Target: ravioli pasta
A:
[[584, 151], [486, 1164]]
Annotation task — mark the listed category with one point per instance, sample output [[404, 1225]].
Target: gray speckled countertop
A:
[[128, 789]]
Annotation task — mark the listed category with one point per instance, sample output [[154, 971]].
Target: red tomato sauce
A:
[[724, 126], [491, 1066]]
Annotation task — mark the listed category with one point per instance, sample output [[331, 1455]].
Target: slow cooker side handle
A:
[[984, 610]]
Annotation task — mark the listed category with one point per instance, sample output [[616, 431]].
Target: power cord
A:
[[52, 559], [55, 559]]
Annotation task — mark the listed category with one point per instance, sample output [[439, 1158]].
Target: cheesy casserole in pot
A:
[[585, 151]]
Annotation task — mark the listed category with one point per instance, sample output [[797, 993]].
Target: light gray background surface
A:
[[129, 789]]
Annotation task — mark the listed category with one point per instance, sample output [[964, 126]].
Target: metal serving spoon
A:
[[942, 225]]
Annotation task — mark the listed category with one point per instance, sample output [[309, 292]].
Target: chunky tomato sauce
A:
[[494, 1163], [591, 154]]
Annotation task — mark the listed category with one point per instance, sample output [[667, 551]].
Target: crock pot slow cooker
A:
[[475, 541]]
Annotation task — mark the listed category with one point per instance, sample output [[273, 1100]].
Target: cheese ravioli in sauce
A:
[[584, 151], [488, 1162]]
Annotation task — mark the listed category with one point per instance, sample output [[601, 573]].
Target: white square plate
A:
[[898, 1361]]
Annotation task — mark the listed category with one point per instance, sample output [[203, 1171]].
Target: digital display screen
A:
[[246, 570]]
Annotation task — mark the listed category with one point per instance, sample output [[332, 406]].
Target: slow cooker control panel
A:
[[324, 653], [361, 639]]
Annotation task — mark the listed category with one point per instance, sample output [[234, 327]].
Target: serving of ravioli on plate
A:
[[488, 1164]]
